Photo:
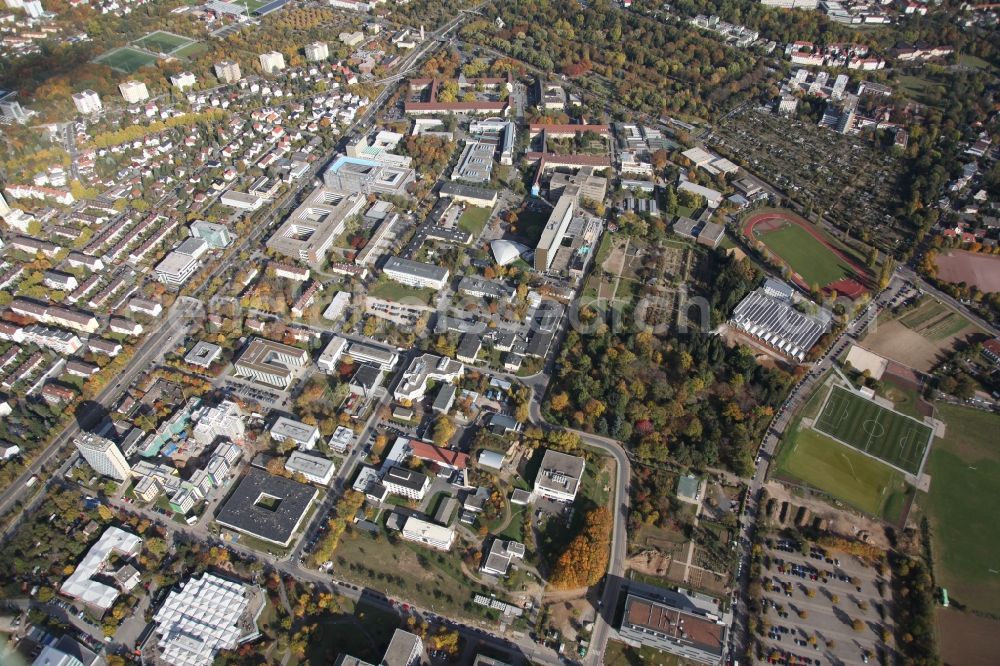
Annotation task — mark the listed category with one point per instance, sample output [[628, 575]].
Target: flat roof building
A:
[[81, 584], [270, 362], [305, 436], [673, 623], [406, 482], [502, 553], [308, 233], [413, 384], [266, 507], [474, 196], [559, 476], [314, 468], [428, 533], [415, 273], [203, 354]]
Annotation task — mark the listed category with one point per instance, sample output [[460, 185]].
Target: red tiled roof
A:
[[444, 457]]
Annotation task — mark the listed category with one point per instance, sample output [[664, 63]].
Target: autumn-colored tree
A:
[[585, 560]]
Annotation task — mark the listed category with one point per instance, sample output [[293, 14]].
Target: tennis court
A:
[[854, 420], [126, 59], [163, 42]]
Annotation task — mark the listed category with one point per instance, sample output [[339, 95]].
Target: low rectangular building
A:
[[406, 482], [559, 476], [305, 436], [270, 362], [415, 273], [428, 533], [671, 622], [314, 468]]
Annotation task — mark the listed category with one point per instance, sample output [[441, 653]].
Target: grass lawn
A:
[[192, 50], [963, 505], [919, 88], [843, 473], [807, 256], [423, 576], [922, 314], [126, 59], [474, 219], [514, 527], [619, 654], [852, 419], [393, 291]]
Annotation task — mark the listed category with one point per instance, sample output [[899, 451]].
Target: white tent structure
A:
[[507, 252]]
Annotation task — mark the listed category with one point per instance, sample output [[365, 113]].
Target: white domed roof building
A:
[[507, 252]]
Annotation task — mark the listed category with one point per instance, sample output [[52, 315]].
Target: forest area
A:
[[682, 398]]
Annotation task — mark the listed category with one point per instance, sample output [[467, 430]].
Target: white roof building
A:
[[313, 468], [80, 584], [205, 616]]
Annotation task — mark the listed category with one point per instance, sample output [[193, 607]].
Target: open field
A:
[[920, 337], [962, 506], [126, 59], [856, 421], [400, 293], [619, 654], [972, 268], [802, 247], [966, 639], [843, 473], [474, 219], [163, 42]]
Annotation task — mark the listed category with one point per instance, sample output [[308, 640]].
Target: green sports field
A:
[[806, 255], [963, 505], [862, 482], [126, 59], [890, 436], [161, 41]]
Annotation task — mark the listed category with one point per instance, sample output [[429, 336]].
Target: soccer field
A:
[[163, 42], [890, 436], [842, 472], [126, 59]]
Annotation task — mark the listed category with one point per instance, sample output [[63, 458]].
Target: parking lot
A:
[[821, 608]]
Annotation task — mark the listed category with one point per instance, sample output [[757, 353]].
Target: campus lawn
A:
[[619, 654], [963, 505], [807, 256], [865, 425], [393, 291], [407, 571], [843, 473], [474, 219]]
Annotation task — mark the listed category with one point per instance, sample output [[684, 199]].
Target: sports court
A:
[[163, 42], [858, 422], [126, 59]]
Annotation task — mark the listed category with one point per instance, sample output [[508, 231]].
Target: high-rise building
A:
[[183, 81], [103, 455], [228, 71], [317, 51], [87, 101], [272, 62], [134, 91]]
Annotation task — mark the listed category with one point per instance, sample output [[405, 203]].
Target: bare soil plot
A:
[[966, 639], [980, 270], [906, 346]]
